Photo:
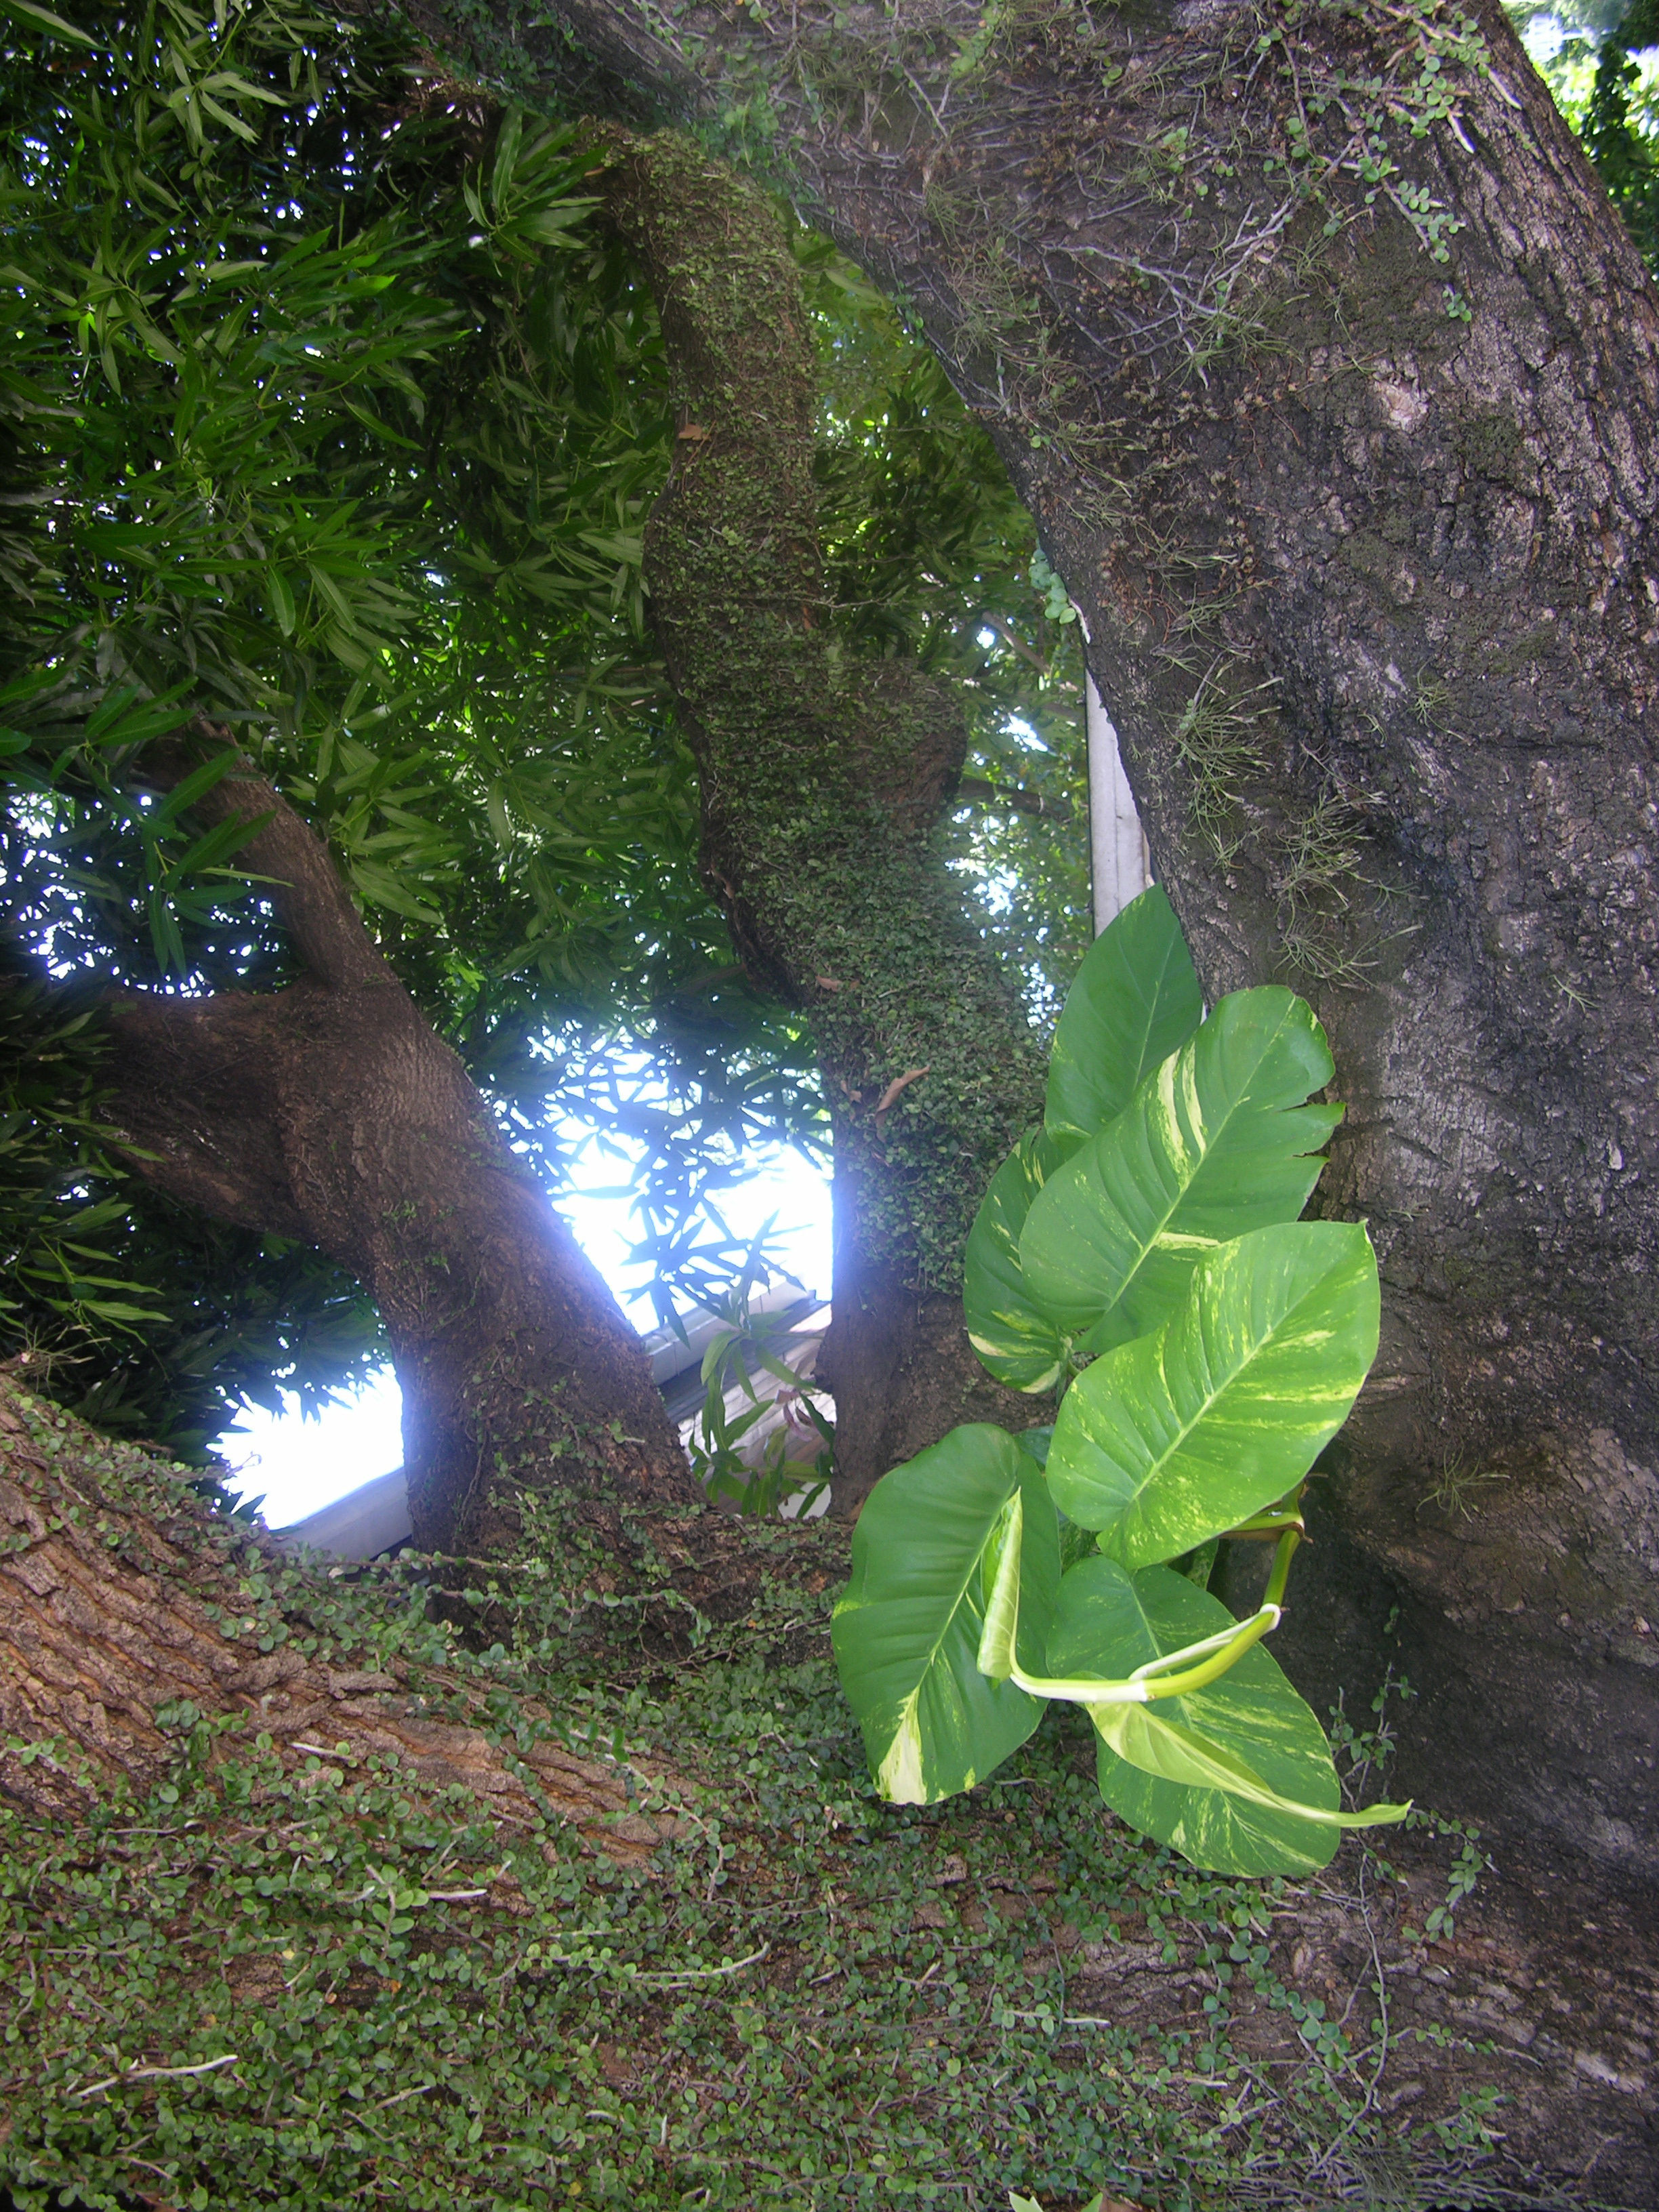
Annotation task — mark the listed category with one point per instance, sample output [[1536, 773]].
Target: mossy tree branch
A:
[[824, 775]]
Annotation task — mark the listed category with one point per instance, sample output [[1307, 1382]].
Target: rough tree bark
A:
[[110, 1615], [823, 775], [1330, 374], [331, 1111]]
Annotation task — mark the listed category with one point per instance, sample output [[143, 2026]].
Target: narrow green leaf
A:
[[507, 153], [500, 821], [1135, 1000], [281, 599], [233, 123], [125, 718], [214, 847], [553, 226], [201, 779], [1180, 1435], [906, 1629], [1214, 1142], [380, 887], [114, 1309], [25, 11]]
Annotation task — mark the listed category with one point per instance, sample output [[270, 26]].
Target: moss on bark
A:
[[824, 773], [824, 776]]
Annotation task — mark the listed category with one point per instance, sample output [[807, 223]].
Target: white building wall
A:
[[1121, 864]]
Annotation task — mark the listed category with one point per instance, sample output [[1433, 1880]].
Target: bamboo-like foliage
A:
[[331, 413]]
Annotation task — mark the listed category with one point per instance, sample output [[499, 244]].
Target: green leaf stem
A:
[[1115, 1677], [1237, 1776]]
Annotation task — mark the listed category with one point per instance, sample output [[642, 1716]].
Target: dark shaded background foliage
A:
[[330, 413]]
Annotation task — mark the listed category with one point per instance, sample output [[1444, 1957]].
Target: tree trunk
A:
[[1328, 373], [823, 776], [331, 1112], [121, 1627]]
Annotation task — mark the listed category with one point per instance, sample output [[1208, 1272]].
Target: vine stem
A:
[[1171, 1675]]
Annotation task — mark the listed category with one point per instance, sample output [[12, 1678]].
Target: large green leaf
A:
[[1020, 1341], [1135, 1001], [1214, 1142], [1180, 1435], [906, 1629], [1250, 1721]]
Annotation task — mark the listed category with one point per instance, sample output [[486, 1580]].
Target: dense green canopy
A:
[[331, 416]]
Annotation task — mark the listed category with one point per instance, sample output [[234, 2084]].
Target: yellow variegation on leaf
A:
[[906, 1628], [1215, 1141], [1180, 1435]]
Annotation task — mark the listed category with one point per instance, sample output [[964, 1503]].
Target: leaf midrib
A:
[[1147, 1247]]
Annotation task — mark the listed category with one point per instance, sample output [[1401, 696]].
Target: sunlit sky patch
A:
[[299, 1466]]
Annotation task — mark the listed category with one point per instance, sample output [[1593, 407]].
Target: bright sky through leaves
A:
[[298, 1466]]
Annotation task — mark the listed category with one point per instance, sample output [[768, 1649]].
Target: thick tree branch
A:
[[310, 897], [994, 798], [331, 1112], [110, 1614], [195, 1101], [822, 775], [196, 1095]]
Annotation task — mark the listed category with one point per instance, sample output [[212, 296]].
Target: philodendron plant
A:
[[1141, 1252]]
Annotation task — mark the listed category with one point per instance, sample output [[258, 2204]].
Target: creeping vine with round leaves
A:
[[1141, 1251]]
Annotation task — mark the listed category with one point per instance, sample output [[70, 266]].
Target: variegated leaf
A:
[[906, 1629], [1251, 1720], [1180, 1435], [1020, 1341], [1135, 1001], [1215, 1142]]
